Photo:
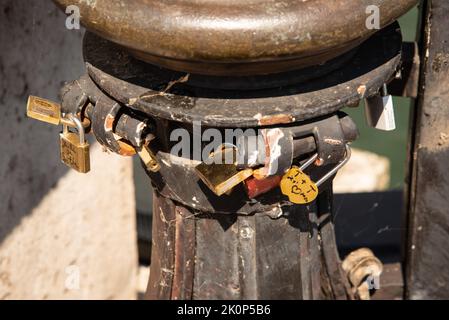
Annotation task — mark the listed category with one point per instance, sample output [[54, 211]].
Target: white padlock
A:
[[379, 111]]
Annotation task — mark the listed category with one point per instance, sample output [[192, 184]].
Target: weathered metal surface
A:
[[140, 87], [331, 134], [236, 37], [338, 285], [163, 251], [185, 247], [215, 256], [103, 120], [193, 193], [406, 83], [391, 283], [288, 252], [428, 233], [132, 127], [118, 129], [231, 247]]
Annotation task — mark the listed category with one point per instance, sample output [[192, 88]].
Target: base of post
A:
[[217, 256]]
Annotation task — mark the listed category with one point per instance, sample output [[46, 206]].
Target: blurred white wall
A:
[[62, 235]]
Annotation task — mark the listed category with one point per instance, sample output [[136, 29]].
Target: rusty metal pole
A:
[[217, 256], [427, 257]]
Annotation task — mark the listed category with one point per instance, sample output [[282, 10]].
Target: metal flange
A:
[[235, 37], [173, 96]]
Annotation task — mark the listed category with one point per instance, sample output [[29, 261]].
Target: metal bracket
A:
[[117, 128], [406, 83], [280, 146]]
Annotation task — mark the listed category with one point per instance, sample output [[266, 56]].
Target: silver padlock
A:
[[379, 111]]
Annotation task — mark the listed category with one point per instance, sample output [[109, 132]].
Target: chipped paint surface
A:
[[361, 90], [276, 119], [273, 152], [109, 123], [333, 142]]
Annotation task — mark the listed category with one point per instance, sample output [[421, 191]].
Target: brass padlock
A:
[[44, 110], [221, 177], [50, 112], [149, 159], [75, 148]]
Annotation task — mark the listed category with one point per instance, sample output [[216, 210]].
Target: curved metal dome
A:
[[238, 37]]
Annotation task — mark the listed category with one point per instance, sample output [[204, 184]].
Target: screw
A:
[[246, 233]]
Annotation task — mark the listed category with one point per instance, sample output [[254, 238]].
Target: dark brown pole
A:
[[223, 256], [427, 258]]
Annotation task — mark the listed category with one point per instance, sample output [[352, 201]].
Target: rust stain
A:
[[109, 123], [126, 150], [276, 119]]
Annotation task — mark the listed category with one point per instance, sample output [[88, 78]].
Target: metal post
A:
[[199, 255], [428, 221]]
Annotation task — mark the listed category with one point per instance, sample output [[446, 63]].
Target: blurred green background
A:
[[392, 145]]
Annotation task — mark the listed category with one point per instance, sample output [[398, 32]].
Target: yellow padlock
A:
[[299, 187]]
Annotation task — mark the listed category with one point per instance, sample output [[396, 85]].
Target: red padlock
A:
[[255, 187]]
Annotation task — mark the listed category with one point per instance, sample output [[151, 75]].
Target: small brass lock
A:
[[149, 159], [50, 112], [44, 110], [74, 147], [221, 177]]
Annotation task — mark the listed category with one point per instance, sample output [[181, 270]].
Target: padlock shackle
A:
[[69, 123], [309, 162], [79, 127], [331, 173]]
